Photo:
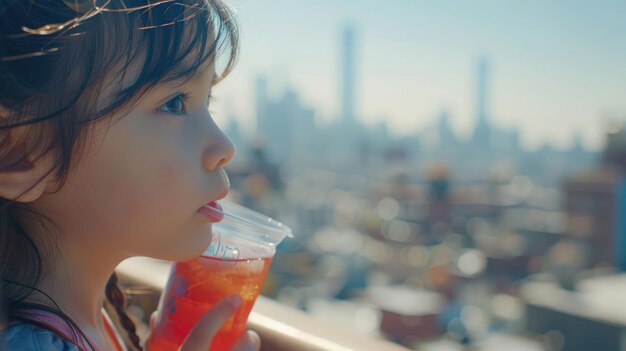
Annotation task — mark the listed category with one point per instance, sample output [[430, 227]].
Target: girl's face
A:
[[144, 175]]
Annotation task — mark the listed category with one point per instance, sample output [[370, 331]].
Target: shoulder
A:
[[28, 337]]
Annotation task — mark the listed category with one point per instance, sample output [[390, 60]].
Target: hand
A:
[[201, 336]]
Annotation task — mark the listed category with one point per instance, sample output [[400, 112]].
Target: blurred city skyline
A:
[[557, 69], [463, 160]]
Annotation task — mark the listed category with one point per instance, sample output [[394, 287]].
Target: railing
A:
[[281, 328]]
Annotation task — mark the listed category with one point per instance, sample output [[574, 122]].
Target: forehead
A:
[[204, 76]]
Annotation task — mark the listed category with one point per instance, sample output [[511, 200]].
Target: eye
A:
[[176, 105], [209, 100]]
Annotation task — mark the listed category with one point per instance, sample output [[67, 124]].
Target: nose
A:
[[218, 151]]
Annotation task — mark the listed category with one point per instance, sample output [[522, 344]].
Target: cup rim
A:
[[252, 224]]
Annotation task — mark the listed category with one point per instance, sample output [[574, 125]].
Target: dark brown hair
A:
[[56, 57]]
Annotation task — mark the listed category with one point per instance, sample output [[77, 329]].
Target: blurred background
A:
[[454, 171]]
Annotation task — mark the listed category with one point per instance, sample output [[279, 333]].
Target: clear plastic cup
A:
[[236, 262]]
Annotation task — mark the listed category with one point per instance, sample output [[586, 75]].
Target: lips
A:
[[213, 211]]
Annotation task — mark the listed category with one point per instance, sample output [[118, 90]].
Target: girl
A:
[[107, 151]]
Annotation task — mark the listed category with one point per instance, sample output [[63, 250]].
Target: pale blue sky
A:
[[557, 66]]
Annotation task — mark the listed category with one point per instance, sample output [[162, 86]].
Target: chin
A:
[[193, 248]]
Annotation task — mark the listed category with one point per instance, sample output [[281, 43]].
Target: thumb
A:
[[201, 336], [153, 318], [250, 341]]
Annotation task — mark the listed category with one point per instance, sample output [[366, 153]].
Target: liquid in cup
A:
[[236, 262]]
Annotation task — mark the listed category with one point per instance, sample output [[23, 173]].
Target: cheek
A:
[[170, 173], [154, 202], [173, 185], [147, 196]]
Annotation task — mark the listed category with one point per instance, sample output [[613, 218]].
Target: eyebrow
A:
[[182, 80]]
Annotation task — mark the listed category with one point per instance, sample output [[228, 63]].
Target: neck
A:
[[77, 283]]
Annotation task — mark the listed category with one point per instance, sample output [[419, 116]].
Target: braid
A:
[[116, 298]]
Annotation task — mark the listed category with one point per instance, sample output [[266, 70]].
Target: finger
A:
[[153, 318], [151, 325], [202, 334], [250, 341]]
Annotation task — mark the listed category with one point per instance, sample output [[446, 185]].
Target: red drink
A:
[[195, 286], [236, 262]]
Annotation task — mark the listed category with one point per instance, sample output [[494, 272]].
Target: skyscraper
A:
[[261, 105], [482, 133], [348, 75], [285, 125], [481, 98]]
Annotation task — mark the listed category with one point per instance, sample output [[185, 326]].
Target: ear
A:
[[27, 181], [21, 178]]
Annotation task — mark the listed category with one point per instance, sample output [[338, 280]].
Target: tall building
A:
[[482, 133], [285, 125], [615, 151], [615, 158], [345, 135], [595, 202], [348, 70], [261, 106], [445, 134], [234, 133]]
